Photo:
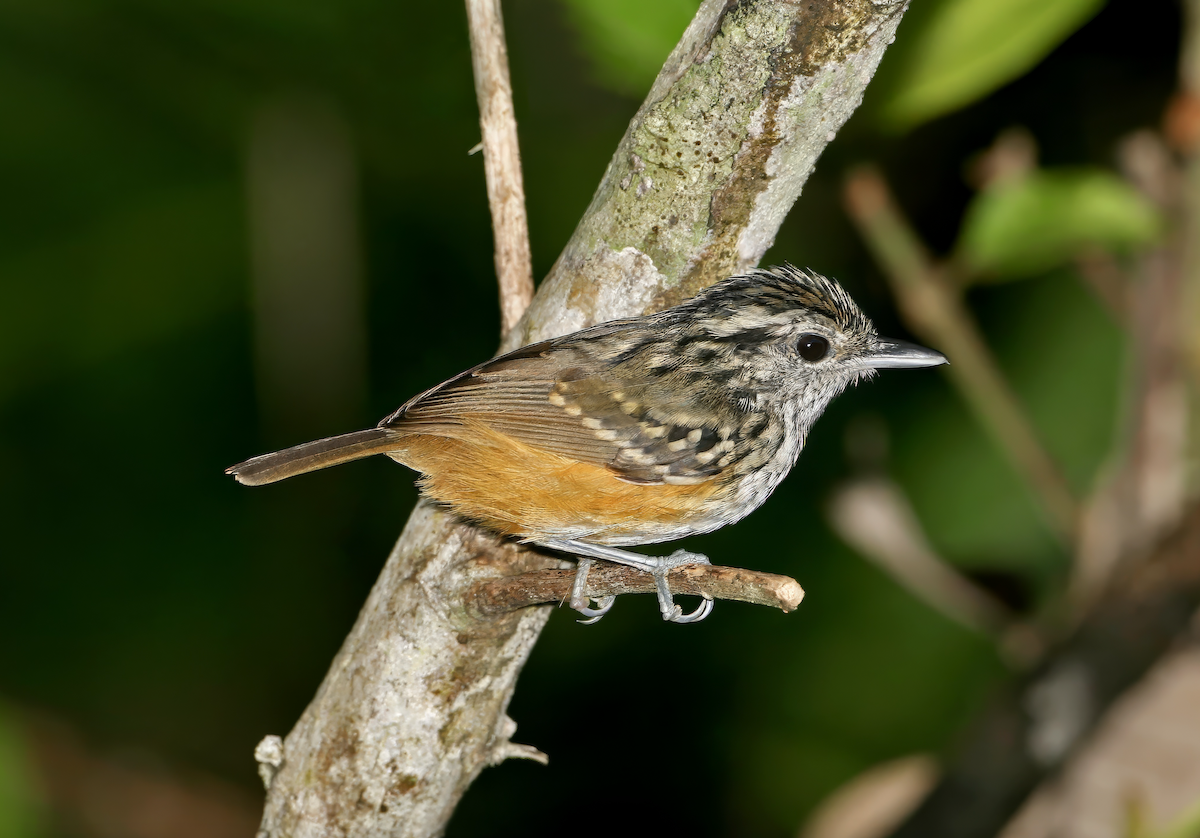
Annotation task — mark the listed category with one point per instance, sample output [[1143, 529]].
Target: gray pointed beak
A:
[[900, 354]]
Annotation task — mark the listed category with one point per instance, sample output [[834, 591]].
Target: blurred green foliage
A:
[[1062, 352], [953, 52], [19, 800], [1036, 222], [628, 40], [154, 604]]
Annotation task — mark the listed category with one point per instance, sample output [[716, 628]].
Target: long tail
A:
[[311, 456]]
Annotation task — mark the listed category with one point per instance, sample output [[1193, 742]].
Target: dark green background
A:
[[156, 605]]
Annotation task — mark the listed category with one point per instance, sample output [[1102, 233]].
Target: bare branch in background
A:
[[874, 802], [1136, 588], [1183, 133], [1144, 493], [1010, 158], [501, 160], [1108, 280], [1142, 763], [1137, 569], [873, 516], [1028, 734], [933, 309]]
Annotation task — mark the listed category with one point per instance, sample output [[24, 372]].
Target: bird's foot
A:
[[666, 604], [656, 566], [580, 602]]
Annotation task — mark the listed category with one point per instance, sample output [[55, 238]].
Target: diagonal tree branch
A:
[[715, 157], [413, 707]]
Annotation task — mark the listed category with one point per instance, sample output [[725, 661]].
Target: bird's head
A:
[[790, 335]]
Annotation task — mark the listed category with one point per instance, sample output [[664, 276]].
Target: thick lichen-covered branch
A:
[[715, 157]]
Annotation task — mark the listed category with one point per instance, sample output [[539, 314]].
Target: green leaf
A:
[[1029, 225], [948, 53], [627, 41]]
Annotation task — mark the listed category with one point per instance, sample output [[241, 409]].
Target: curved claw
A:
[[658, 566], [580, 602], [677, 615], [671, 612], [605, 603]]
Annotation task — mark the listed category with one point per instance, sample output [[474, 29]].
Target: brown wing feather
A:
[[511, 395], [555, 397]]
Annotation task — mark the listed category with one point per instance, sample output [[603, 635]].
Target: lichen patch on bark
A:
[[718, 153], [827, 34]]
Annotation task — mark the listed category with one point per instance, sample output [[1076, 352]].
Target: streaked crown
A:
[[774, 299]]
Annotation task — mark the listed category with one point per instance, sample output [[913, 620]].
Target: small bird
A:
[[631, 432]]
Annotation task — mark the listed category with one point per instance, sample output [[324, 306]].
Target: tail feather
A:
[[311, 456]]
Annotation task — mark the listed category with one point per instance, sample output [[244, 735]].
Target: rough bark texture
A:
[[414, 704], [716, 156]]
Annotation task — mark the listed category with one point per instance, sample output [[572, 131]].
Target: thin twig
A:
[[1108, 281], [934, 310], [497, 596], [872, 515], [1182, 127], [501, 159]]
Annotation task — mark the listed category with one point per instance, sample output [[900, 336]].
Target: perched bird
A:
[[630, 432]]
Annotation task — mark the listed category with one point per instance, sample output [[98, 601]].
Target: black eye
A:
[[812, 347]]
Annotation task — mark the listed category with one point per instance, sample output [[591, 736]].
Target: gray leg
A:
[[658, 566], [580, 602]]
